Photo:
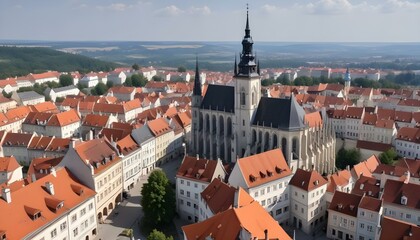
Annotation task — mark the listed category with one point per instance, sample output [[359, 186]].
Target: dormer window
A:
[[262, 175], [252, 178], [3, 236], [404, 200]]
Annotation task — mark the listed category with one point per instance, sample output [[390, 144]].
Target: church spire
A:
[[247, 65], [197, 83], [235, 70]]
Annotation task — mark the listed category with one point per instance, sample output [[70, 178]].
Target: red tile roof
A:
[[345, 203], [375, 146], [228, 225], [197, 169], [367, 185], [370, 203], [264, 167], [21, 206], [393, 229], [8, 164], [94, 120], [307, 180], [219, 196], [159, 127], [395, 190], [17, 139], [41, 167], [64, 118]]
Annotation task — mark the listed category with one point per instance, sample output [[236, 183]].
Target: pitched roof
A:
[[367, 167], [58, 145], [219, 196], [375, 146], [21, 206], [228, 225], [409, 134], [395, 190], [17, 113], [345, 203], [367, 185], [8, 164], [17, 139], [393, 229], [44, 107], [338, 179], [307, 180], [281, 113], [159, 127], [64, 118], [370, 203], [197, 169], [25, 96], [127, 145], [94, 120], [98, 152], [219, 98], [41, 167], [39, 143], [264, 167]]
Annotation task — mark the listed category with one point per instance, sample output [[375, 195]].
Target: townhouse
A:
[[59, 207], [266, 178], [401, 201], [16, 144], [98, 166], [307, 202], [147, 142], [126, 111], [164, 136], [92, 124], [243, 222], [129, 151], [12, 120], [61, 92], [407, 143], [6, 104], [90, 80], [117, 77], [369, 214], [123, 93], [192, 177], [28, 98], [10, 170], [342, 216]]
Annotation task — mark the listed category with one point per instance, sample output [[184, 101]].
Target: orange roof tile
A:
[[395, 190], [41, 167], [64, 118], [228, 225], [307, 180], [44, 107], [345, 203], [8, 164], [368, 186], [158, 127], [17, 113], [17, 139], [313, 119], [264, 167], [197, 169], [94, 120], [127, 145], [21, 206], [393, 229]]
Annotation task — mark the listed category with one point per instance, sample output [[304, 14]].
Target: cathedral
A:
[[231, 122]]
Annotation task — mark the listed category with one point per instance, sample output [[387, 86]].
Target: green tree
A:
[[99, 89], [66, 80], [138, 80], [388, 157], [158, 235], [136, 66], [347, 158], [81, 86], [182, 69], [109, 84], [157, 78], [128, 82], [59, 99], [267, 82], [7, 95], [158, 200], [303, 81], [283, 80]]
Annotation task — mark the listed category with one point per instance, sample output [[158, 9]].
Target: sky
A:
[[211, 20]]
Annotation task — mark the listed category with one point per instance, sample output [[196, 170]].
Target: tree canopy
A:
[[99, 89], [157, 235], [158, 200], [66, 80], [182, 69], [388, 157], [347, 158], [157, 78], [136, 66]]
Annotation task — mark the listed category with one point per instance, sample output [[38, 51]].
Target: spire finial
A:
[[247, 30]]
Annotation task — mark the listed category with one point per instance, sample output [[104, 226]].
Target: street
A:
[[130, 210]]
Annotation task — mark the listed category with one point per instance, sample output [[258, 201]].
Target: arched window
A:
[[242, 98]]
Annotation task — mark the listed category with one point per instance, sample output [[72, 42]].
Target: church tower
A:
[[347, 81], [196, 104], [247, 92]]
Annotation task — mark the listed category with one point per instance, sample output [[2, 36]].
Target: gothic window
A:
[[253, 98], [242, 98]]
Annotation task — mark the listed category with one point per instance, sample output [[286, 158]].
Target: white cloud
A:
[[267, 8], [118, 6], [397, 5], [205, 10], [171, 10], [329, 7]]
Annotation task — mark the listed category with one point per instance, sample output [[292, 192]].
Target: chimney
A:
[[72, 143], [266, 234], [53, 172], [33, 177], [50, 187], [198, 157], [6, 195]]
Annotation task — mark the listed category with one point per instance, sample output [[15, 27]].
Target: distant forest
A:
[[19, 61]]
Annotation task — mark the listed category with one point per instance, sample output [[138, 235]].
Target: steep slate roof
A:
[[281, 113], [307, 180], [220, 98], [228, 225], [345, 203], [34, 198], [197, 169], [264, 167]]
